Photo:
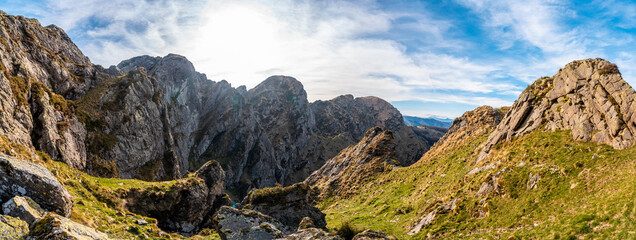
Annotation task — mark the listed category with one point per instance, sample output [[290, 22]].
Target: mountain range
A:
[[430, 121], [150, 148]]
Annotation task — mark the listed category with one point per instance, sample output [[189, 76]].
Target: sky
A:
[[428, 58]]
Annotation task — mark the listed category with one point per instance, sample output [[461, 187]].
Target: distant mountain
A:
[[430, 121]]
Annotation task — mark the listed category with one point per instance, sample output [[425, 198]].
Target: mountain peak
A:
[[280, 82], [588, 97], [352, 167]]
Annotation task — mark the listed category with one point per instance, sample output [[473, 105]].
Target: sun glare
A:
[[240, 40]]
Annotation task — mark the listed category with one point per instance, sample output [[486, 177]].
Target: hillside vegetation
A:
[[583, 190]]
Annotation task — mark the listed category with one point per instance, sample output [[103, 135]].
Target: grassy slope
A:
[[95, 201], [578, 195]]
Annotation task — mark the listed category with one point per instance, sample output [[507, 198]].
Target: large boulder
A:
[[23, 208], [232, 223], [53, 226], [22, 178], [287, 204], [186, 206], [12, 228]]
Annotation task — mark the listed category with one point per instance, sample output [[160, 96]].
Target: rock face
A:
[[22, 178], [289, 205], [352, 117], [53, 226], [357, 164], [232, 223], [12, 228], [164, 119], [41, 68], [186, 206], [472, 123], [588, 97], [23, 208]]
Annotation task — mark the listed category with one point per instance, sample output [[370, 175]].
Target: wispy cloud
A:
[[399, 51]]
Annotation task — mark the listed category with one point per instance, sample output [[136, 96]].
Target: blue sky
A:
[[437, 58]]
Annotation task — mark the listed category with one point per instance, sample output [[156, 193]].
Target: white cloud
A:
[[326, 45]]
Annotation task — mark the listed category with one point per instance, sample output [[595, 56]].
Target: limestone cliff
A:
[[41, 69], [588, 97]]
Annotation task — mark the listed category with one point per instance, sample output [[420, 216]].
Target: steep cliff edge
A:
[[355, 165], [588, 97], [41, 69]]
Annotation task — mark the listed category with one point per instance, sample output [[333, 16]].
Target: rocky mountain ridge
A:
[[588, 97], [156, 118]]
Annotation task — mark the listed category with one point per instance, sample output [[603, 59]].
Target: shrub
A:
[[347, 230]]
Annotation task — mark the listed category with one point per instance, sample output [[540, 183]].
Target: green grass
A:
[[96, 200], [586, 191]]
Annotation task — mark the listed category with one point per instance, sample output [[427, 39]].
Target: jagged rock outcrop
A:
[[171, 120], [184, 207], [349, 118], [357, 164], [41, 68], [473, 123], [588, 97], [232, 223], [289, 205], [12, 228], [53, 226], [22, 178], [23, 208]]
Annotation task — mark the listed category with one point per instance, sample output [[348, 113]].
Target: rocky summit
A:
[[588, 97]]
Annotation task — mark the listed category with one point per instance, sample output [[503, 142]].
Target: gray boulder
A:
[[23, 208], [289, 205], [12, 228], [53, 226], [22, 178], [232, 223]]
